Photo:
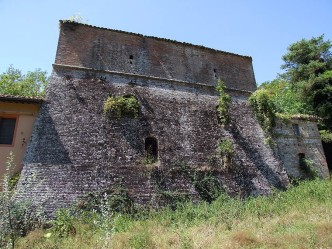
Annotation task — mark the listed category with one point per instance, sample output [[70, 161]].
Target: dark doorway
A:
[[328, 154], [302, 162], [151, 150]]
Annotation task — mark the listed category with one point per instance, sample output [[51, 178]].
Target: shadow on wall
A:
[[328, 154], [45, 146], [255, 156]]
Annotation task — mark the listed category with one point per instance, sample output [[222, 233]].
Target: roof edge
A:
[[21, 99]]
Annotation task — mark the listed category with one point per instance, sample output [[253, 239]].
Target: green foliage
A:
[[32, 84], [149, 159], [298, 213], [122, 106], [264, 109], [224, 102], [141, 239], [308, 66], [14, 180], [63, 225], [116, 199], [77, 18], [309, 169], [306, 59], [285, 98], [206, 184], [17, 218], [326, 136], [226, 148], [321, 97]]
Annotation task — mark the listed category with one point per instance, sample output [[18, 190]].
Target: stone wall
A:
[[76, 150], [296, 140]]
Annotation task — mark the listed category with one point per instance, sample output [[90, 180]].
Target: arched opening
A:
[[151, 150]]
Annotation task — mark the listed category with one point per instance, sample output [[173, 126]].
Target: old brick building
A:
[[75, 149]]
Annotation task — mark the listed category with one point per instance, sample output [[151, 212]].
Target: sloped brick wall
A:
[[75, 149]]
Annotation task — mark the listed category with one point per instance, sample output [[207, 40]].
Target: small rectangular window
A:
[[7, 129], [296, 130]]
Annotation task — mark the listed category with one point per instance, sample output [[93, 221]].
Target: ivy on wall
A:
[[121, 106], [224, 102], [264, 110], [226, 148]]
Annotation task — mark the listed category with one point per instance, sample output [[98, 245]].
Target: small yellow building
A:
[[17, 117]]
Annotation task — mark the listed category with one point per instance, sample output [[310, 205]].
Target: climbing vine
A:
[[264, 110], [121, 106], [205, 183], [224, 102]]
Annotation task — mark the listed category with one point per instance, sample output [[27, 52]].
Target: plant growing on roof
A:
[[121, 106]]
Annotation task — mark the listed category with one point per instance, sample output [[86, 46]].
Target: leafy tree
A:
[[32, 84], [306, 85], [306, 59], [321, 98], [308, 65], [285, 99]]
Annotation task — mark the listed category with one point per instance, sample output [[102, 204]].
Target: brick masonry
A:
[[75, 150]]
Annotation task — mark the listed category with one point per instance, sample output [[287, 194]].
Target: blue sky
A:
[[262, 29]]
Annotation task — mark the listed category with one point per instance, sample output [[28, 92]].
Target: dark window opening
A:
[[7, 129], [215, 73], [302, 162], [151, 150], [296, 130]]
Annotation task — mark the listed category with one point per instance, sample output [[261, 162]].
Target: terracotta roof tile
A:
[[20, 99]]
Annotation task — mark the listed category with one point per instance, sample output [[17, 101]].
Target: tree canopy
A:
[[32, 84], [306, 85]]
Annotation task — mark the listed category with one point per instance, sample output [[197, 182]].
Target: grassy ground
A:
[[298, 218]]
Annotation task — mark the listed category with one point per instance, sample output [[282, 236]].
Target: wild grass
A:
[[300, 217]]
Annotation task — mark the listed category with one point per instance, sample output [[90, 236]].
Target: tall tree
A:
[[307, 59], [32, 84], [308, 65]]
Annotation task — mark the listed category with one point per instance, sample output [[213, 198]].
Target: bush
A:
[[121, 106], [63, 225], [264, 109], [17, 218], [226, 148]]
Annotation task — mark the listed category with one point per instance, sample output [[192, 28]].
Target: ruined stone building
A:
[[76, 149]]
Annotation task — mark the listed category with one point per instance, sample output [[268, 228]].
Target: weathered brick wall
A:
[[91, 47], [75, 149], [294, 137]]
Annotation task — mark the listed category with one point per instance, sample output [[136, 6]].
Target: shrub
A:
[[121, 106], [116, 199], [226, 148], [326, 136], [264, 110], [17, 218], [309, 168], [63, 225]]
